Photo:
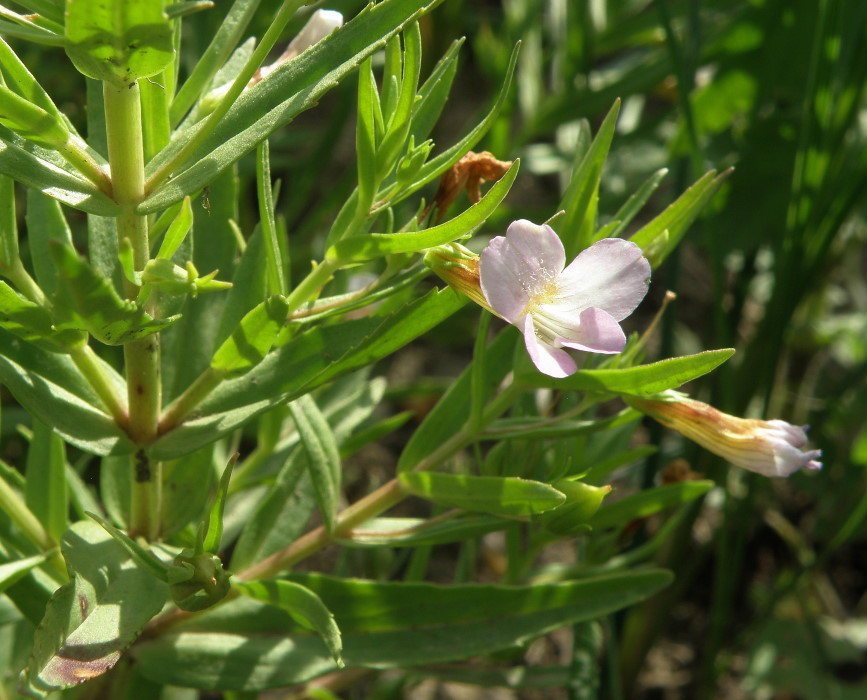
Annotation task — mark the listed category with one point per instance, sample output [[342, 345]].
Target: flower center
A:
[[542, 289]]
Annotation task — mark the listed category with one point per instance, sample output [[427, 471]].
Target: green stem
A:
[[146, 507], [90, 366], [273, 33], [18, 275], [309, 287], [75, 151], [386, 496], [194, 394], [126, 156], [210, 379]]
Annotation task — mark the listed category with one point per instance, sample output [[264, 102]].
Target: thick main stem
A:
[[142, 357]]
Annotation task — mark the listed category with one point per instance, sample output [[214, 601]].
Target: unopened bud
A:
[[767, 447]]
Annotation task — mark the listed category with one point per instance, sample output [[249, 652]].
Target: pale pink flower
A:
[[523, 279], [767, 447]]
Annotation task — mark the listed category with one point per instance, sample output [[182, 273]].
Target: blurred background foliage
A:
[[770, 596]]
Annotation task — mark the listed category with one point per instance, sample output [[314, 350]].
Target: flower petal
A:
[[611, 275], [597, 332], [514, 268], [548, 360]]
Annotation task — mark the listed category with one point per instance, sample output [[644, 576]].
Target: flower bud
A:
[[770, 448], [582, 502], [319, 26], [459, 267], [207, 586]]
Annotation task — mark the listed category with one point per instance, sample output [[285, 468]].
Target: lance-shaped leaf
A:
[[252, 338], [21, 80], [227, 37], [660, 237], [305, 607], [374, 245], [46, 492], [34, 323], [92, 619], [177, 231], [41, 174], [31, 121], [213, 527], [580, 201], [118, 41], [323, 457], [89, 302], [290, 89], [309, 360], [508, 496], [418, 532], [246, 645], [164, 572], [51, 387], [641, 380], [14, 571], [644, 503]]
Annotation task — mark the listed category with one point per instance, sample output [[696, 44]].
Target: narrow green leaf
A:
[[365, 136], [46, 222], [624, 216], [187, 486], [214, 531], [90, 302], [118, 41], [8, 223], [177, 231], [438, 165], [49, 386], [252, 338], [187, 7], [538, 428], [323, 456], [214, 247], [641, 380], [14, 571], [644, 503], [433, 93], [507, 496], [660, 237], [224, 42], [398, 126], [418, 532], [34, 323], [30, 32], [303, 605], [290, 89], [273, 256], [51, 10], [22, 81], [381, 626], [580, 201], [453, 409], [92, 619], [29, 121], [45, 493], [309, 360], [135, 550], [42, 175], [280, 516], [374, 245]]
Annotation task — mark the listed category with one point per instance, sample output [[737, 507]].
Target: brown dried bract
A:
[[468, 173]]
